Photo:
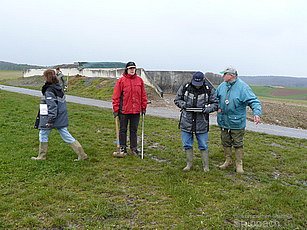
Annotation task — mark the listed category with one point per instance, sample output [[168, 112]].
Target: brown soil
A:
[[287, 92], [274, 112], [283, 114]]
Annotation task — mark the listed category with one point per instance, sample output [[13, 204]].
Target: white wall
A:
[[95, 72], [39, 72]]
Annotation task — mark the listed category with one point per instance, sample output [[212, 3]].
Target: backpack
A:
[[207, 87]]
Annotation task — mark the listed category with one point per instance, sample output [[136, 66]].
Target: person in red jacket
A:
[[129, 101]]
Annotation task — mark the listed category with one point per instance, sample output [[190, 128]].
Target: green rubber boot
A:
[[42, 152], [76, 146], [228, 162], [239, 160], [205, 159], [189, 153]]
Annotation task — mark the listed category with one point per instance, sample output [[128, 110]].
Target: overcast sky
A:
[[258, 37]]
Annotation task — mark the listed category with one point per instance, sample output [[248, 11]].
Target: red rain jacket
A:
[[129, 96]]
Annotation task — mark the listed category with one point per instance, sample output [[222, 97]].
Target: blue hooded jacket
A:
[[233, 98], [56, 104]]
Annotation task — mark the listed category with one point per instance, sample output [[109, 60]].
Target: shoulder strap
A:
[[207, 87], [185, 87]]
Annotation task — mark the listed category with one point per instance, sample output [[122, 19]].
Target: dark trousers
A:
[[232, 137], [133, 120]]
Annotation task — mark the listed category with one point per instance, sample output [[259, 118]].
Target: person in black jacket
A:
[[196, 100], [53, 114]]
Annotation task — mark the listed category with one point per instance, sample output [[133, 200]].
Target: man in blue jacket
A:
[[234, 96]]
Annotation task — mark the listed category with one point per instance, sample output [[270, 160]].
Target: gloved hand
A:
[[65, 88], [115, 114], [184, 106], [49, 125], [143, 112], [206, 110]]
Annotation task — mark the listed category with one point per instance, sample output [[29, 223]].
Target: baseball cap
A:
[[130, 65], [198, 79], [230, 70]]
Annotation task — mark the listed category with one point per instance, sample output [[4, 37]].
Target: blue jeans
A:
[[187, 140], [66, 136]]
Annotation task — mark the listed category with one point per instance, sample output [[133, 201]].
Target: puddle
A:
[[276, 155], [277, 145], [155, 158], [276, 175], [155, 146], [302, 182]]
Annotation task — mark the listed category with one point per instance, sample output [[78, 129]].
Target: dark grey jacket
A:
[[57, 110], [188, 96], [60, 77]]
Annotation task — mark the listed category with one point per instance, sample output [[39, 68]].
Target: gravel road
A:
[[169, 112]]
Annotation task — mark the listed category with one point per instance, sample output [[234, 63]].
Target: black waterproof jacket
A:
[[188, 96]]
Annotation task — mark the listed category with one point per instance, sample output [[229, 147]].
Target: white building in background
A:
[[97, 72]]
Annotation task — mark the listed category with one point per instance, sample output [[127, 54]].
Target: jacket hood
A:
[[55, 88]]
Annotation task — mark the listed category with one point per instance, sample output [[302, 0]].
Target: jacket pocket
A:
[[43, 120], [61, 107], [235, 121], [186, 121]]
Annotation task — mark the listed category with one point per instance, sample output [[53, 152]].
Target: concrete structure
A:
[[98, 72], [108, 73], [161, 81], [170, 81]]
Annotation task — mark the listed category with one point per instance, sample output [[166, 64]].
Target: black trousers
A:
[[133, 120]]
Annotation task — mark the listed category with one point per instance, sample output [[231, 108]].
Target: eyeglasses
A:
[[131, 68]]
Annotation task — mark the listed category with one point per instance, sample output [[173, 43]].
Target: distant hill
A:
[[275, 81], [214, 78], [13, 66]]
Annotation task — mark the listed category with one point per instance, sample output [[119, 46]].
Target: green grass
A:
[[262, 91], [130, 193], [10, 74], [98, 88], [268, 92]]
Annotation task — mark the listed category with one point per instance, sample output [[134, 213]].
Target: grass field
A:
[[97, 88], [130, 193], [10, 74], [294, 112], [281, 93]]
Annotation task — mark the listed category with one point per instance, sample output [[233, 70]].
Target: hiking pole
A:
[[117, 153], [143, 118], [142, 152]]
